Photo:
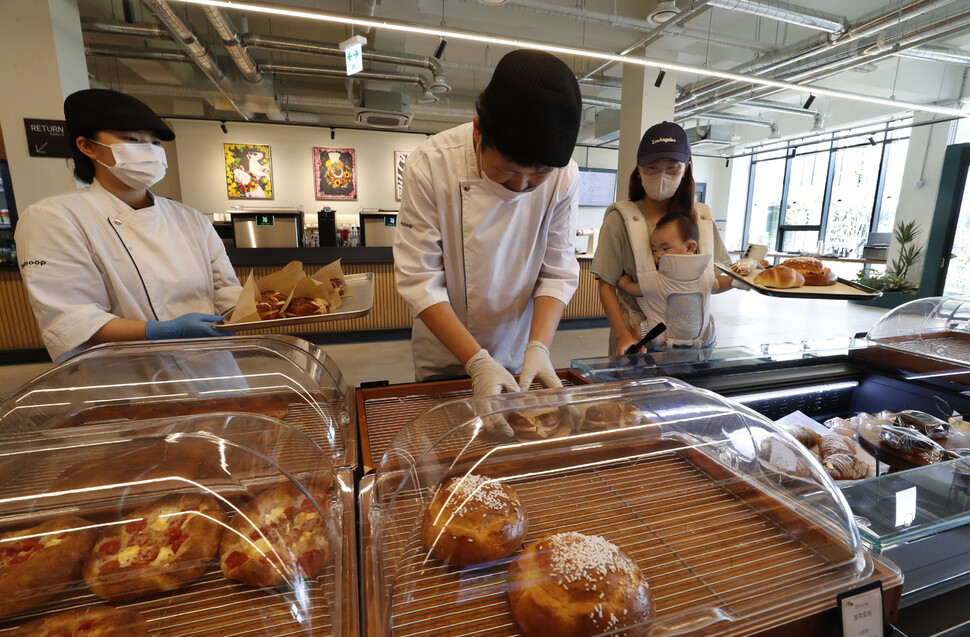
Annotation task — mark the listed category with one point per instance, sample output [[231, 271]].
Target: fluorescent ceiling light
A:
[[564, 50]]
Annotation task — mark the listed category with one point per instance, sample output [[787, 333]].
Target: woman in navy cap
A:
[[113, 262], [661, 184], [484, 254]]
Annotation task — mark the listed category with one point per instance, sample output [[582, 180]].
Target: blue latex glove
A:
[[192, 325]]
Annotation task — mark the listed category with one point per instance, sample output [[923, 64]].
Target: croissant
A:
[[842, 466], [806, 436], [834, 444], [780, 277]]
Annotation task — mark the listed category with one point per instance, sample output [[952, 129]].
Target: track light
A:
[[333, 133], [440, 49], [222, 125], [872, 142], [809, 101], [660, 78], [727, 162]]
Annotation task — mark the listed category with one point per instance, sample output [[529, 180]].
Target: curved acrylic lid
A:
[[935, 327], [223, 520], [730, 520], [278, 376]]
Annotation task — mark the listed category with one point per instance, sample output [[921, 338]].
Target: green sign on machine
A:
[[265, 220]]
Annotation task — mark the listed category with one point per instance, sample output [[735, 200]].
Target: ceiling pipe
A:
[[188, 40], [230, 40], [313, 71], [814, 47], [737, 119], [114, 28], [781, 108], [946, 27], [937, 53], [137, 54], [437, 85], [785, 12]]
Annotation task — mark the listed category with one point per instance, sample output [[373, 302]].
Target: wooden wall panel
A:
[[19, 330]]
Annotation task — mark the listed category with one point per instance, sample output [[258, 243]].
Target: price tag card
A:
[[861, 610]]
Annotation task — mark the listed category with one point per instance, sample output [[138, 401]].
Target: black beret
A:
[[534, 98], [104, 109]]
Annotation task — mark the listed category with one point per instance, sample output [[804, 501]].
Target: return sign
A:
[[47, 138]]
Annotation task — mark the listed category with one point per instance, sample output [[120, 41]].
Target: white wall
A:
[[718, 179], [201, 165]]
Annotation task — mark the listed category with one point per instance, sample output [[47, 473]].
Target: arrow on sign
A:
[[40, 149]]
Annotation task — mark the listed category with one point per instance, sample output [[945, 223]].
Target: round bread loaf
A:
[[780, 277], [306, 306], [473, 519], [570, 584], [812, 269]]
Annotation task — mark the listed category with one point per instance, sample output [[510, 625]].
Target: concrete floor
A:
[[743, 318]]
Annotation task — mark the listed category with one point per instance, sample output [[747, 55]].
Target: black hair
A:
[[681, 203], [83, 165], [498, 137], [686, 226]]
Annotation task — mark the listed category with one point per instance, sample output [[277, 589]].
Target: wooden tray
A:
[[384, 411], [703, 537], [353, 307], [843, 289]]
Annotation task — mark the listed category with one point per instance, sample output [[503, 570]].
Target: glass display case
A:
[[934, 327], [219, 524], [279, 376], [727, 520]]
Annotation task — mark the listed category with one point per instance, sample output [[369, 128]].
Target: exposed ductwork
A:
[[314, 71], [737, 119], [196, 49], [230, 39], [785, 12], [781, 108], [115, 28], [137, 54], [937, 53], [437, 85]]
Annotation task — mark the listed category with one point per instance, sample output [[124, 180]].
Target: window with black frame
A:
[[826, 193]]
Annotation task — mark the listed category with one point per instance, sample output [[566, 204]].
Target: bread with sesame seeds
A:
[[473, 519], [573, 585]]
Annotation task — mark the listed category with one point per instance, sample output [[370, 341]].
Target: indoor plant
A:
[[895, 278]]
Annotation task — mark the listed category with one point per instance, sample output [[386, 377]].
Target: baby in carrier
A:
[[678, 291]]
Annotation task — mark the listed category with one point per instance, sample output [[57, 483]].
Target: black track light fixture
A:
[[333, 133], [872, 141], [660, 78], [440, 49], [808, 103], [222, 125]]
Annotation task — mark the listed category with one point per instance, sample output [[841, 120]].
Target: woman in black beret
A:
[[484, 254], [111, 261]]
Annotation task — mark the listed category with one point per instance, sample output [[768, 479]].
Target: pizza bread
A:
[[472, 519], [573, 585], [38, 562], [100, 620], [276, 532], [160, 547]]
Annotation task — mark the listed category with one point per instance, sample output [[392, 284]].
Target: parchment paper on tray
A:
[[313, 289], [334, 274], [283, 281]]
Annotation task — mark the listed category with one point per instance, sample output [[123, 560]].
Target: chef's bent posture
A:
[[113, 262], [484, 254]]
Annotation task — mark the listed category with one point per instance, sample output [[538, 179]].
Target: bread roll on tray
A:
[[779, 277], [812, 269]]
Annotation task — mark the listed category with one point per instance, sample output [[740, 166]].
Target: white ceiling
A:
[[718, 38]]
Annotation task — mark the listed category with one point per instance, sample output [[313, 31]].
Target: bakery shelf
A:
[[280, 376], [735, 528], [108, 477]]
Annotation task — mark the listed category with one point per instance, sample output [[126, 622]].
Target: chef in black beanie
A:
[[484, 254]]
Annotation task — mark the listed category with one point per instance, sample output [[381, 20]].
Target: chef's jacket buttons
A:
[[117, 222], [467, 187]]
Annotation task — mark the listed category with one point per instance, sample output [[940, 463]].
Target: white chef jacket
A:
[[87, 257], [488, 261]]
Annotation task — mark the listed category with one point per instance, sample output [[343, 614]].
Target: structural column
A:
[[642, 106], [43, 54]]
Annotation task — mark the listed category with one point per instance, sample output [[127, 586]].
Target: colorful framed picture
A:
[[335, 173], [400, 157], [249, 171]]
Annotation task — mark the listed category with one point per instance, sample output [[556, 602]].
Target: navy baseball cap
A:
[[104, 109], [662, 141]]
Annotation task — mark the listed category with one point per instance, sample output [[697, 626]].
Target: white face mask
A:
[[497, 189], [661, 186], [138, 165]]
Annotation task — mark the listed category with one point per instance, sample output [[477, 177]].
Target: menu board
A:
[[597, 187]]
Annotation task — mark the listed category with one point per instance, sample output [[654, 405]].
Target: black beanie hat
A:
[[104, 109], [531, 109]]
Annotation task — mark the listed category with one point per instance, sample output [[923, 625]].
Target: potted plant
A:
[[896, 277]]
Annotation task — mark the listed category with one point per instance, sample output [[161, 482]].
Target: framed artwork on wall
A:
[[249, 171], [335, 173], [400, 157]]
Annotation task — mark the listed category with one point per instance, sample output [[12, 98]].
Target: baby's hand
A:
[[629, 286]]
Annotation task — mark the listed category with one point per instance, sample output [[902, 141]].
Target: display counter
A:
[[19, 330]]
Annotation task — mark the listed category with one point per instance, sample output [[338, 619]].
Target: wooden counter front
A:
[[19, 330]]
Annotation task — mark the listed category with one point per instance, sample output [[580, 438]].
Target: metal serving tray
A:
[[842, 290], [353, 307]]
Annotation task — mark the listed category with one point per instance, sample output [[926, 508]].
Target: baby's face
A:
[[666, 240]]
